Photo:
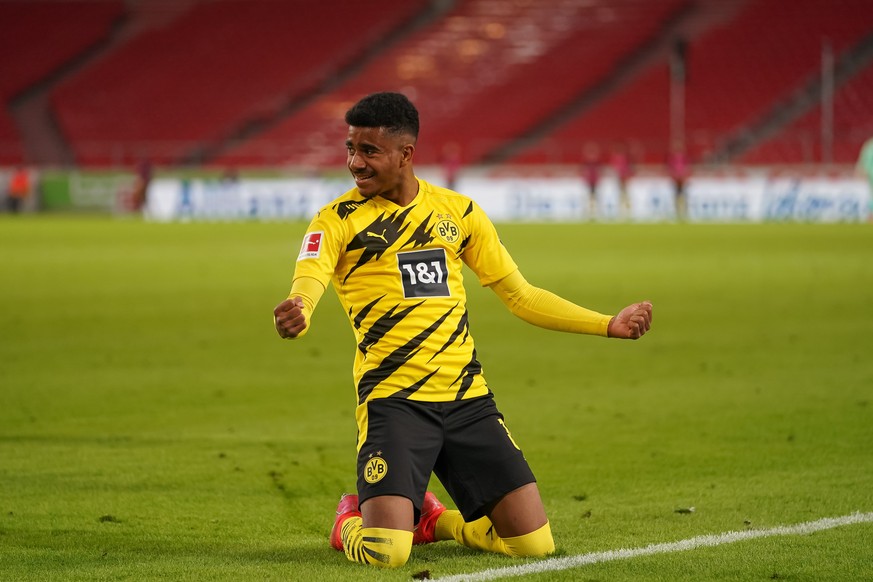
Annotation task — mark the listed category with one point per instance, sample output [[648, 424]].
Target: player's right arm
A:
[[315, 265], [291, 317]]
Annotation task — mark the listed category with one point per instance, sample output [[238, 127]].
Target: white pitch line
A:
[[553, 564]]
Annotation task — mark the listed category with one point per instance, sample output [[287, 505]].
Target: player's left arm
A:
[[545, 309]]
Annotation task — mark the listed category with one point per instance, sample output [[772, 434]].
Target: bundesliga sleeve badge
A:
[[311, 246]]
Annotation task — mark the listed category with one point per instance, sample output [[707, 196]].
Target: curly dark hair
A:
[[393, 111]]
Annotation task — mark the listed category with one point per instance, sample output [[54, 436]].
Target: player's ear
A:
[[406, 154]]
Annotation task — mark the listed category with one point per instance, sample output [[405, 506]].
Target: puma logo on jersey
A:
[[382, 236]]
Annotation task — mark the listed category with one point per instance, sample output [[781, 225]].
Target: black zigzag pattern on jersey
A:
[[421, 236], [470, 371], [463, 246], [364, 312], [392, 362], [407, 392], [466, 241], [377, 237], [347, 207], [383, 325], [462, 328]]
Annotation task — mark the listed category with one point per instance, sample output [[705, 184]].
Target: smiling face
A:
[[380, 161]]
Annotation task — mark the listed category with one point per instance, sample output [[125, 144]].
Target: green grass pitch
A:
[[153, 426]]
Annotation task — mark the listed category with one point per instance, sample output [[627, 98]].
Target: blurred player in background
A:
[[679, 170], [865, 169], [19, 189], [591, 163], [620, 161], [394, 247]]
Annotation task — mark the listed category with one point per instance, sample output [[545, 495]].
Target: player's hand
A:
[[631, 322], [289, 319]]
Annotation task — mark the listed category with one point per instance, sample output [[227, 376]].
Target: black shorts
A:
[[464, 443]]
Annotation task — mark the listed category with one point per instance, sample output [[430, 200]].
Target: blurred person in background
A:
[[621, 164], [394, 248], [865, 169], [591, 163], [19, 189], [141, 183], [451, 160], [679, 170]]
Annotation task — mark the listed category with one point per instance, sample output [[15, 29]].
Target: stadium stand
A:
[[11, 148], [802, 140], [481, 75], [261, 82], [35, 39], [635, 119], [217, 64], [736, 73]]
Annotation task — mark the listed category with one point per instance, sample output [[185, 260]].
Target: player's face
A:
[[377, 160]]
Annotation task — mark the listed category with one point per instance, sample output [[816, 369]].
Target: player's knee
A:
[[393, 552], [381, 547], [535, 544]]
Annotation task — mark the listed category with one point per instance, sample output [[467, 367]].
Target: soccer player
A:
[[393, 247]]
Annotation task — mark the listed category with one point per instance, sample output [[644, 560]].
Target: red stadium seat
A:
[[189, 86], [801, 141], [483, 74], [36, 38], [216, 66], [738, 72]]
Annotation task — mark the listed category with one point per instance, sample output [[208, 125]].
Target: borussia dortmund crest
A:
[[448, 231], [375, 470]]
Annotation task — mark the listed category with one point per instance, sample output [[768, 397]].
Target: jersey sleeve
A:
[[310, 291], [321, 247], [485, 254], [545, 309]]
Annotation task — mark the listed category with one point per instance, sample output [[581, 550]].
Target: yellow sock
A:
[[375, 546], [480, 535], [534, 544]]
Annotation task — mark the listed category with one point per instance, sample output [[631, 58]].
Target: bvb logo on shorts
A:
[[375, 470]]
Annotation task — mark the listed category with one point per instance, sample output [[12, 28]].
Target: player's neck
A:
[[404, 194]]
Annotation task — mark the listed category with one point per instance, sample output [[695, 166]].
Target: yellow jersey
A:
[[398, 274]]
